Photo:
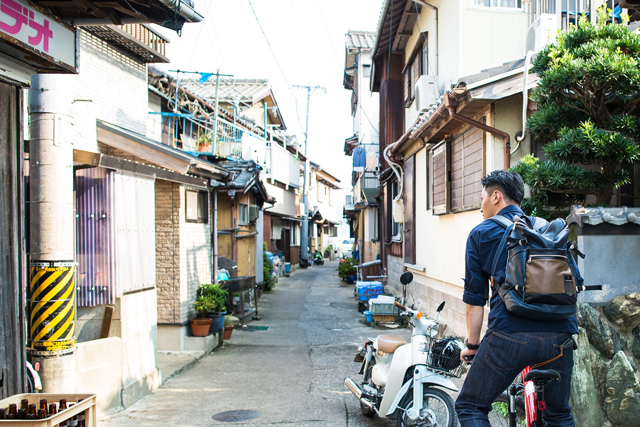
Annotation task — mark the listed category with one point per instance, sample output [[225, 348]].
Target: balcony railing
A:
[[136, 40], [365, 180], [568, 11]]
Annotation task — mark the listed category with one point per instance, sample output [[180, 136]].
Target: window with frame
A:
[[334, 231], [418, 65], [458, 166], [197, 206], [243, 214], [498, 4], [394, 227]]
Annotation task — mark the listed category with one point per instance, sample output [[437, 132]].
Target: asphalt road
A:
[[291, 374]]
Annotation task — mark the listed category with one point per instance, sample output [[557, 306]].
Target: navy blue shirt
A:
[[482, 244]]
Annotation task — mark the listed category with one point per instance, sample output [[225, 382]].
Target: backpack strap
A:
[[505, 223]]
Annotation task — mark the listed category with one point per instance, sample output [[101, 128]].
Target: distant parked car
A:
[[345, 248]]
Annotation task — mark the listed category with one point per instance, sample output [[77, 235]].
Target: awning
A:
[[155, 152]]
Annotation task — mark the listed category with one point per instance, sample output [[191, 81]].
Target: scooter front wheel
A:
[[437, 409]]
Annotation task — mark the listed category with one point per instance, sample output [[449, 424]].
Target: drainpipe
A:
[[452, 104], [51, 204], [184, 9], [214, 234], [233, 226]]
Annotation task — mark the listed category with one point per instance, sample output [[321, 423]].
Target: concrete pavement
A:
[[292, 373]]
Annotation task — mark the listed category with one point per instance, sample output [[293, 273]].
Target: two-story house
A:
[[451, 78], [363, 145], [91, 230]]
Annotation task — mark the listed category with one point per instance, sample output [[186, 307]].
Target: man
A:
[[511, 343]]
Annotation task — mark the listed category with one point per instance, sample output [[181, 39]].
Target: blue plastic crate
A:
[[365, 290]]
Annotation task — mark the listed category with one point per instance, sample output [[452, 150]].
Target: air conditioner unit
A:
[[300, 209], [542, 32], [253, 214], [426, 93]]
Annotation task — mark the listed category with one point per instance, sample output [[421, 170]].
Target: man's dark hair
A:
[[510, 184]]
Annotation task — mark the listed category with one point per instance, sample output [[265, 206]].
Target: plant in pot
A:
[[219, 309], [347, 270], [200, 325], [327, 251], [228, 327]]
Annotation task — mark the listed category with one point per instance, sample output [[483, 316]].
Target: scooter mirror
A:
[[406, 278], [440, 307]]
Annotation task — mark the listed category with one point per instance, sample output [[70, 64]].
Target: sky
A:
[[289, 42]]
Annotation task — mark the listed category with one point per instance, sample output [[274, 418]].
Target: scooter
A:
[[405, 381], [318, 259]]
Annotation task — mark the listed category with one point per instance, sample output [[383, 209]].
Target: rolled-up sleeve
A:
[[476, 281]]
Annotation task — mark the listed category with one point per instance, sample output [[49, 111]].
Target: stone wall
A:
[[168, 251], [605, 390], [395, 267]]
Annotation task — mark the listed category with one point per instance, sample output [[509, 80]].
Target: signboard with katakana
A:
[[27, 28]]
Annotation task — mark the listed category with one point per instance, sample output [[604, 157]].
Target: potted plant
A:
[[228, 327], [347, 271], [219, 308], [327, 251], [200, 325]]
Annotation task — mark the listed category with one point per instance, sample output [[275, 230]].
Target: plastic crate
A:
[[365, 290], [78, 403], [383, 304]]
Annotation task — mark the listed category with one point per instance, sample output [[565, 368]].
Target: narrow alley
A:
[[292, 373]]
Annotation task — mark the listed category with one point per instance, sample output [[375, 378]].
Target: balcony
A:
[[138, 41], [366, 186], [282, 166]]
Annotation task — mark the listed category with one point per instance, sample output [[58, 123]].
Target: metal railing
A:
[[568, 11]]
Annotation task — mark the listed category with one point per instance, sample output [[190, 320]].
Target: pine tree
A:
[[588, 117]]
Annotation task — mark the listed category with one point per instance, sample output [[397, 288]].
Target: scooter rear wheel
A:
[[438, 404]]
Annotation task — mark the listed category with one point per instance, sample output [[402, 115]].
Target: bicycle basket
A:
[[444, 356]]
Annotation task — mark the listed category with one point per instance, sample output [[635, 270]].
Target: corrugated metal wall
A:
[[115, 235], [95, 236]]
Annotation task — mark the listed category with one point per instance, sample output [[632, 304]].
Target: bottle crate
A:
[[78, 403]]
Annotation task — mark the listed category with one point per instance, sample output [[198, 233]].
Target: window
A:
[[366, 70], [334, 231], [458, 166], [321, 192], [500, 4], [395, 228], [197, 206], [243, 214], [417, 66]]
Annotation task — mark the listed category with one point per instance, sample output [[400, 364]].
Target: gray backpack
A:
[[542, 280]]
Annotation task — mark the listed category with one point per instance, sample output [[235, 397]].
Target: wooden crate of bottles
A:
[[49, 410]]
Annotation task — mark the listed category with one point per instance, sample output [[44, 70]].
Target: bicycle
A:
[[510, 409], [525, 411]]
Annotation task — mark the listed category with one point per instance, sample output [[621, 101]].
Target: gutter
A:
[[186, 11], [450, 104]]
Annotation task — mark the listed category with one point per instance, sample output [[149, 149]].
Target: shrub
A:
[[347, 268], [216, 294], [267, 268]]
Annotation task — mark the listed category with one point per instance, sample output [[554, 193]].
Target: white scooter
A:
[[405, 380]]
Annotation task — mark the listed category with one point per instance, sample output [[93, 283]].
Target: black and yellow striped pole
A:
[[52, 308]]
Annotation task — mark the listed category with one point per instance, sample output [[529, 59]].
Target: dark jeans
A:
[[501, 357]]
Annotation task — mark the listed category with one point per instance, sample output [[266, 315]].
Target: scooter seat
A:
[[389, 343]]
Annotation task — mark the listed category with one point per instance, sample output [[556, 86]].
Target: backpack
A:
[[542, 280]]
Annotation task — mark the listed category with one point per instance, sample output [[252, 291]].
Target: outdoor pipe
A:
[[452, 105]]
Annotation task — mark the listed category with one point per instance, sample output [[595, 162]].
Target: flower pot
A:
[[215, 321], [200, 327], [228, 330], [352, 279], [221, 322]]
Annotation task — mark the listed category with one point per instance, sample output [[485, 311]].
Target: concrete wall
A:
[[195, 258], [122, 369], [285, 199]]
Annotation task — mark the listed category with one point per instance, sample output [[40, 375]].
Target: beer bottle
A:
[[43, 406], [1, 413], [22, 414], [13, 410], [31, 417], [73, 422], [24, 404], [61, 407], [32, 410], [41, 414]]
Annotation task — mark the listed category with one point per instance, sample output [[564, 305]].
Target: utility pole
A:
[[304, 238]]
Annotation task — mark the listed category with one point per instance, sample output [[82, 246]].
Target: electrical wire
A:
[[199, 33]]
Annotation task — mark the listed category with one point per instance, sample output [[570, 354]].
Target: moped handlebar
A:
[[400, 306]]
